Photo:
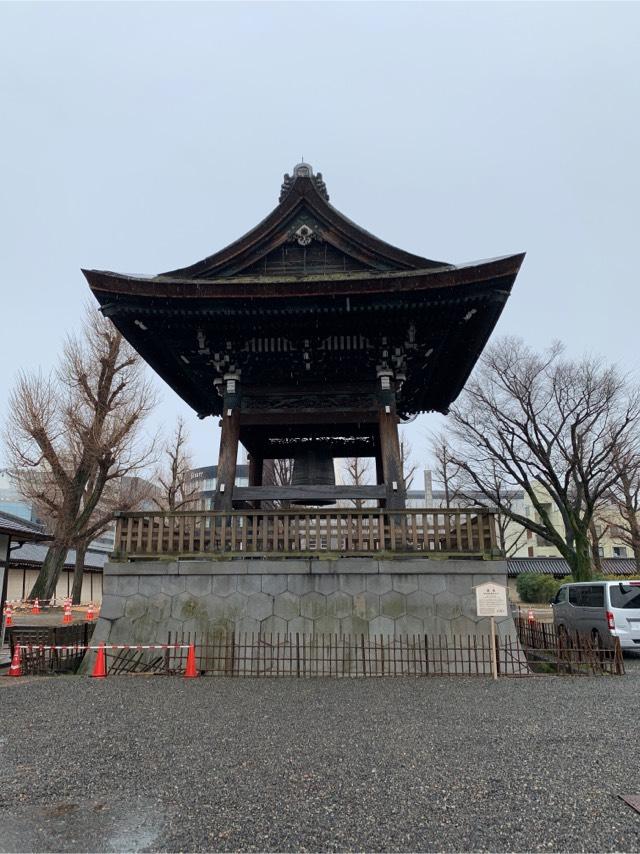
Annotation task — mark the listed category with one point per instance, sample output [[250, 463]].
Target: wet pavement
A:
[[440, 764]]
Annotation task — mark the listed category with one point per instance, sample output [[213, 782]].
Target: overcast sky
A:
[[143, 137]]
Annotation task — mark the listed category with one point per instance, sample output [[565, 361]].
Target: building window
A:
[[619, 551]]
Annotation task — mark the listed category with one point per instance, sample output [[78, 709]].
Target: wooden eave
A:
[[271, 232], [105, 283]]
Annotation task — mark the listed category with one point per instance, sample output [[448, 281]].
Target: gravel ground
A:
[[153, 763]]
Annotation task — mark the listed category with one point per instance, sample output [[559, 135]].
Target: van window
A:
[[624, 596], [587, 596], [561, 596]]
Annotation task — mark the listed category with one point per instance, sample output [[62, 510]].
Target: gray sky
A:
[[143, 137]]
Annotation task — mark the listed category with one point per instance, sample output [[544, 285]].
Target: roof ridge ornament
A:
[[303, 170]]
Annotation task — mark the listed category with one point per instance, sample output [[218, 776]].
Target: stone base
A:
[[144, 601]]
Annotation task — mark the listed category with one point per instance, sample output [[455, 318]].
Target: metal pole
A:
[[494, 651]]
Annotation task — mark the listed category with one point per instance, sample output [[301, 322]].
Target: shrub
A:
[[532, 587]]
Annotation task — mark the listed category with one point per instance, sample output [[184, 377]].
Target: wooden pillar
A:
[[390, 444], [229, 438], [379, 467], [256, 469], [256, 464]]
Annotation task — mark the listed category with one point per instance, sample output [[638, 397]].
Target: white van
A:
[[600, 609]]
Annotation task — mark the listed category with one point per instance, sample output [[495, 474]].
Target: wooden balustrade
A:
[[445, 532]]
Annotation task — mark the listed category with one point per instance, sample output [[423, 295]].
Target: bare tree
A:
[[409, 468], [551, 427], [356, 470], [277, 472], [623, 510], [447, 469], [176, 490], [70, 434]]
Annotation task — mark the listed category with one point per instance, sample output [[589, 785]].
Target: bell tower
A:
[[311, 339]]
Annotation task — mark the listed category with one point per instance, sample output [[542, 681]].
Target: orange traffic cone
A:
[[8, 616], [35, 608], [67, 618], [190, 670], [91, 614], [530, 616], [16, 665], [99, 668]]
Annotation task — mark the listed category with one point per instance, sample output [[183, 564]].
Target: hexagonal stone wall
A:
[[349, 596]]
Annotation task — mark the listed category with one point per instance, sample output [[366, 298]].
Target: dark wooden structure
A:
[[311, 339]]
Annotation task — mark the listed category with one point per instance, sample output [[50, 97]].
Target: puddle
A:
[[81, 826]]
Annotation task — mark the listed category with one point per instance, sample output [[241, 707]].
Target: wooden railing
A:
[[445, 532]]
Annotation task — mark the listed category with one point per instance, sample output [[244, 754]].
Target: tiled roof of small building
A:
[[20, 529], [559, 567], [33, 554]]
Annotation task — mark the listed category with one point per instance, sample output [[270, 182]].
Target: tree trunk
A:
[[45, 585], [595, 548], [78, 572], [580, 560]]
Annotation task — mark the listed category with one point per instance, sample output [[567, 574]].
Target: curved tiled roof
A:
[[21, 529], [558, 566]]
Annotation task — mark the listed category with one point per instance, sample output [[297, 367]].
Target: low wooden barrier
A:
[[548, 650], [345, 656], [300, 532]]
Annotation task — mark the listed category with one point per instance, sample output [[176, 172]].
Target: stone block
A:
[[149, 585], [136, 606], [287, 605], [382, 626], [432, 584], [421, 605], [339, 605], [234, 607], [273, 626], [259, 606], [352, 584], [462, 626], [300, 584], [200, 585], [351, 565], [109, 585], [448, 606], [313, 605], [112, 607], [122, 631], [248, 625], [222, 585], [325, 584], [272, 585], [246, 584], [184, 606], [354, 625], [127, 585], [329, 625], [288, 566], [459, 585], [171, 584], [159, 607], [409, 626], [393, 604], [149, 567], [366, 605], [301, 625], [405, 583], [379, 583]]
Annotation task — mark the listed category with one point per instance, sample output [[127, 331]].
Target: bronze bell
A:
[[313, 466]]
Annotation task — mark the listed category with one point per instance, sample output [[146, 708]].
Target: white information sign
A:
[[491, 600]]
